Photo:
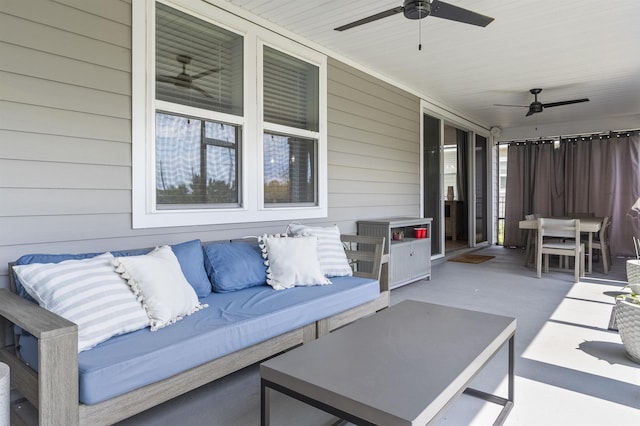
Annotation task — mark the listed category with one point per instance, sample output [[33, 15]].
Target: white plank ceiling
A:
[[570, 48]]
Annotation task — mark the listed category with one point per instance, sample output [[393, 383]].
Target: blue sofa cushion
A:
[[189, 256], [232, 322], [233, 266]]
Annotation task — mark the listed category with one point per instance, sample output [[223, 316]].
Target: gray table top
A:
[[401, 366]]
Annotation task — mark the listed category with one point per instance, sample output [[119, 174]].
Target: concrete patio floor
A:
[[570, 369]]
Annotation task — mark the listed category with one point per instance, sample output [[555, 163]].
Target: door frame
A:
[[451, 118]]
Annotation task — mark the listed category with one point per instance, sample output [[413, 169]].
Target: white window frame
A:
[[145, 214], [319, 136]]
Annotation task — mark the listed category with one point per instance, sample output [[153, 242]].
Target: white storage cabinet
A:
[[409, 257]]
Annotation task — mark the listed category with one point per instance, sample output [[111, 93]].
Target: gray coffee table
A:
[[401, 366]]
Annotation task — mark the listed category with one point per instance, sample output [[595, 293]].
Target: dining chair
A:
[[601, 242], [530, 252], [564, 261], [549, 230]]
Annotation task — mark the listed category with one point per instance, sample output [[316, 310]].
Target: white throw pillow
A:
[[157, 280], [333, 259], [292, 261], [87, 292]]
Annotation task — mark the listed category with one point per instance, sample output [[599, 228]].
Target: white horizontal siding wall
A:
[[374, 147], [65, 137]]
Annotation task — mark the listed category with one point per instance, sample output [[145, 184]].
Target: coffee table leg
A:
[[264, 404], [267, 386], [507, 403], [511, 367]]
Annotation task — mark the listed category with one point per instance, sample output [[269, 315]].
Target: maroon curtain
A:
[[603, 177], [535, 185], [600, 176]]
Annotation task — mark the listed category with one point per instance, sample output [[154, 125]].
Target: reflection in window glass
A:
[[450, 159], [290, 91], [289, 170], [196, 162], [198, 64]]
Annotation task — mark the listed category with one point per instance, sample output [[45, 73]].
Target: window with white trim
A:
[[229, 119], [290, 115]]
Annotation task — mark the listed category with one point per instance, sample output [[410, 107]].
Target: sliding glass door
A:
[[432, 180], [481, 188], [455, 185]]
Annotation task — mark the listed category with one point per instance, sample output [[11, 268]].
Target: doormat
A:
[[471, 258]]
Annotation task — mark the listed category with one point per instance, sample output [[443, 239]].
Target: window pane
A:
[[290, 91], [197, 63], [290, 165], [188, 149]]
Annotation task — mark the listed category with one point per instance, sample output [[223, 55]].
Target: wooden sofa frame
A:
[[53, 390]]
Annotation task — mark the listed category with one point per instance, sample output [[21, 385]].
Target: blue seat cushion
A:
[[232, 321]]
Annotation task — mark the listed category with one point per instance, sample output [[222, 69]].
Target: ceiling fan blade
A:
[[167, 79], [205, 73], [443, 10], [371, 18], [521, 106], [201, 90], [530, 112], [575, 101]]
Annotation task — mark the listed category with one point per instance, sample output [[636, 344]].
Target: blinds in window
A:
[[290, 90], [198, 64]]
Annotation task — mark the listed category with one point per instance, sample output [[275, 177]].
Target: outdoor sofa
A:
[[132, 372]]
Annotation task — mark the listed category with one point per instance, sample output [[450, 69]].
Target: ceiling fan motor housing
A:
[[183, 80], [416, 9], [535, 107]]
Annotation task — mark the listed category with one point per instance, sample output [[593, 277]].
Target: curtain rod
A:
[[576, 137]]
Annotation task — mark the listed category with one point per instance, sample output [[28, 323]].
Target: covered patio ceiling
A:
[[571, 49]]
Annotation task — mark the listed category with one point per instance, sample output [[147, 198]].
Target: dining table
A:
[[588, 225]]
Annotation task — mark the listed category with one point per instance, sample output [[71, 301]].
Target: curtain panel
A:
[[535, 184], [599, 176]]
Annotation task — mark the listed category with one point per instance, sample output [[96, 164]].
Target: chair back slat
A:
[[578, 215], [566, 243], [567, 228]]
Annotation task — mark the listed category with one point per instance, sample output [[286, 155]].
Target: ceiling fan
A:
[[537, 106], [185, 80], [415, 9]]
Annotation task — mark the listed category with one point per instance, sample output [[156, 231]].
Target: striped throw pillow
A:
[[87, 292], [333, 259]]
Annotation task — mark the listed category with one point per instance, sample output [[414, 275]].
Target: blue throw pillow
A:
[[234, 266], [189, 256], [191, 261]]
